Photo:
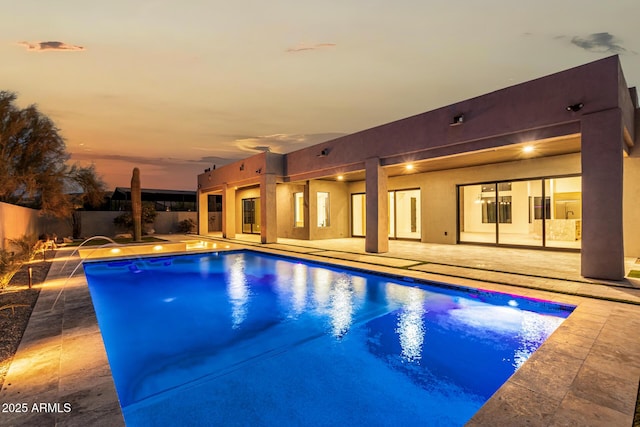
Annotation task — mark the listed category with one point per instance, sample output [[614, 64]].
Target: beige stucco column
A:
[[228, 211], [268, 209], [203, 212], [602, 253], [377, 232]]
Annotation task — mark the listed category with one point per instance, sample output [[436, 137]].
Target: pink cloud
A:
[[301, 47], [50, 46]]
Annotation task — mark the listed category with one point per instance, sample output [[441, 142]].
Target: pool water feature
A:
[[242, 338]]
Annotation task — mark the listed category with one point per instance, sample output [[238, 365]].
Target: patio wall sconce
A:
[[575, 107], [242, 167], [457, 120]]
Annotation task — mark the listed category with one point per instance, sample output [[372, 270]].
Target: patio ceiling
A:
[[541, 148]]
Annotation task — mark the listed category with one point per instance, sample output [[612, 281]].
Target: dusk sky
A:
[[175, 87]]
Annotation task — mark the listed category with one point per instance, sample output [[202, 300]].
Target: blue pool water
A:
[[242, 338]]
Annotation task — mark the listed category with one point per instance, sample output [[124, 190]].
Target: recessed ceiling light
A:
[[527, 148], [340, 177], [409, 167]]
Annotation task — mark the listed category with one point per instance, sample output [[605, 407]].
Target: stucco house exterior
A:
[[552, 163]]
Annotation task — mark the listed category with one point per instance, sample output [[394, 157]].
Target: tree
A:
[[88, 190], [33, 162]]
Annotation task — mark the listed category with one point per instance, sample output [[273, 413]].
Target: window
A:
[[491, 187], [358, 215], [323, 209], [502, 210], [536, 212], [540, 211], [298, 209]]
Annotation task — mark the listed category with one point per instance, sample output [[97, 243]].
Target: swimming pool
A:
[[242, 338]]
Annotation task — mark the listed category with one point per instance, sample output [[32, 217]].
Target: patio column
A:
[[228, 211], [268, 209], [203, 212], [377, 202], [602, 253]]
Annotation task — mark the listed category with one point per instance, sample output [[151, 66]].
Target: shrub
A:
[[9, 266], [125, 220], [186, 226], [10, 262], [27, 246]]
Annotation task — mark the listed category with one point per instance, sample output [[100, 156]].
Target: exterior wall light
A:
[[324, 153], [340, 177], [409, 167], [528, 148], [242, 167], [575, 107], [457, 120]]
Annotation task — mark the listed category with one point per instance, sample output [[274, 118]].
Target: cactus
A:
[[136, 205]]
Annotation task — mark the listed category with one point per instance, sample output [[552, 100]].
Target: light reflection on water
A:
[[321, 288], [530, 328], [323, 292], [534, 330], [299, 295], [341, 310], [238, 291], [411, 327]]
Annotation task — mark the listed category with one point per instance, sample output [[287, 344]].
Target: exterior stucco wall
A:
[[242, 173], [286, 227], [627, 104], [339, 210], [18, 221], [100, 223], [167, 222]]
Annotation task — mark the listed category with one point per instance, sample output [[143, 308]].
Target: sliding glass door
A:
[[403, 210], [563, 224], [251, 215], [358, 215], [404, 214], [542, 212]]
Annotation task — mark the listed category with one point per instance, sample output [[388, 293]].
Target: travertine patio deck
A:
[[586, 373]]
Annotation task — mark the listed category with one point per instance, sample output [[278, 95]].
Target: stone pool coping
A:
[[586, 373]]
